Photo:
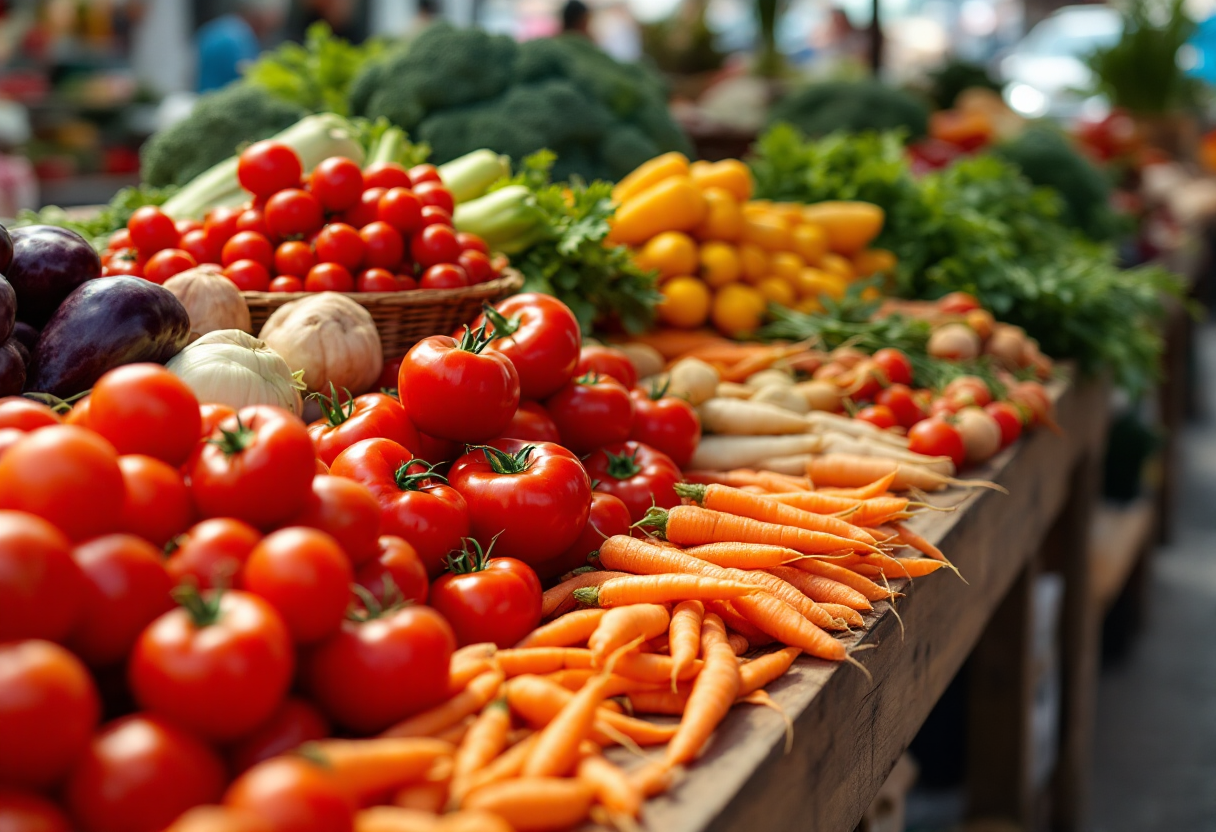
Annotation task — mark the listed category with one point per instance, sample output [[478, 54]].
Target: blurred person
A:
[[159, 35], [231, 40], [576, 18], [348, 19]]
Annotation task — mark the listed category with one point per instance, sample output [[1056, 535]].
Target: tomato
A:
[[293, 724], [398, 561], [903, 405], [376, 280], [286, 283], [966, 390], [944, 407], [434, 244], [666, 423], [609, 516], [152, 230], [198, 245], [337, 182], [126, 587], [9, 437], [541, 336], [590, 412], [257, 467], [212, 553], [25, 414], [347, 511], [375, 672], [27, 812], [293, 258], [293, 213], [41, 587], [444, 276], [434, 215], [248, 275], [219, 665], [366, 210], [401, 209], [145, 409], [363, 417], [139, 773], [212, 415], [305, 576], [406, 283], [329, 277], [388, 377], [488, 599], [937, 437], [607, 362], [387, 175], [433, 193], [122, 238], [878, 415], [427, 513], [383, 245], [636, 473], [958, 303], [125, 261], [894, 364], [253, 219], [533, 423], [218, 819], [248, 245], [293, 794], [166, 263], [67, 475], [79, 414], [476, 265], [1008, 418], [220, 225], [266, 167], [471, 242], [424, 172], [340, 243], [534, 496], [48, 710], [458, 390]]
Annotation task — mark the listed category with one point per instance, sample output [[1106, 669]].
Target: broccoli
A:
[[852, 106], [220, 122]]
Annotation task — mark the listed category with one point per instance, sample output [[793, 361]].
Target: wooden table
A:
[[849, 731]]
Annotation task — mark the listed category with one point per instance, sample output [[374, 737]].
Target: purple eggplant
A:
[[6, 249], [106, 323], [48, 264], [12, 369], [22, 351], [26, 334], [8, 309]]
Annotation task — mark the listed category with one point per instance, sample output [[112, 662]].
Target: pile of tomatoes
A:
[[340, 228]]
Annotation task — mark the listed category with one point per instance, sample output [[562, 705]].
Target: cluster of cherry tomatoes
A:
[[340, 229]]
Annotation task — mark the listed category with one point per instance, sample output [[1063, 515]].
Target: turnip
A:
[[954, 342], [981, 434]]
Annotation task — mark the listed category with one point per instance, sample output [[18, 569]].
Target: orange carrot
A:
[[468, 663], [556, 749], [762, 670], [860, 476], [618, 684], [871, 590], [918, 543], [659, 589], [613, 790], [653, 668], [539, 700], [736, 622], [849, 615], [781, 621], [820, 589], [426, 796], [885, 564], [818, 502], [516, 661], [651, 778], [741, 504], [620, 626], [469, 701], [365, 768], [693, 526], [536, 804], [712, 694], [872, 487], [484, 741], [685, 636], [454, 733], [503, 767], [663, 702], [560, 599], [473, 820], [788, 593], [395, 819], [571, 629], [738, 643], [767, 481], [744, 555], [908, 568]]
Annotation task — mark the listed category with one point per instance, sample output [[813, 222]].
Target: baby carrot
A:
[[744, 555], [556, 749], [536, 804], [820, 589], [866, 489], [484, 741], [738, 643], [762, 670], [395, 819], [684, 636], [712, 694], [663, 702], [473, 820], [365, 768], [781, 621], [516, 661], [741, 504], [620, 626], [849, 615], [538, 700], [871, 590], [659, 589], [426, 796], [692, 526], [572, 628], [559, 599], [613, 790], [469, 701], [503, 767]]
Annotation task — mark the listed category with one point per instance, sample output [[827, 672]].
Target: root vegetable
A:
[[645, 359], [794, 465], [725, 453], [954, 342], [839, 443], [738, 417], [1007, 345], [764, 378], [783, 396], [820, 395], [731, 390], [693, 379], [981, 434], [820, 422]]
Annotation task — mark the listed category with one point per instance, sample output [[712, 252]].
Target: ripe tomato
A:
[[141, 772], [427, 513], [636, 473], [25, 414], [79, 414], [218, 819], [248, 275], [866, 381], [293, 724], [366, 210], [145, 409], [253, 219], [894, 364], [152, 230], [534, 497], [878, 415], [293, 213], [488, 599], [388, 377], [166, 263], [433, 193], [377, 280], [607, 362], [329, 277], [401, 209], [458, 390], [125, 261], [444, 276], [937, 437], [424, 173], [434, 244], [533, 423], [212, 553], [337, 182], [541, 336], [266, 167], [248, 245], [122, 239], [471, 242], [899, 400], [340, 243], [1008, 418], [293, 258], [219, 665], [383, 245], [198, 245], [398, 561], [958, 303], [363, 417], [286, 283], [346, 511], [41, 587], [609, 516], [590, 412], [126, 587], [48, 710], [386, 175], [375, 672], [434, 215], [257, 467], [67, 475], [305, 576], [476, 265], [406, 283], [219, 226], [293, 794], [665, 423], [27, 812], [944, 407], [968, 390]]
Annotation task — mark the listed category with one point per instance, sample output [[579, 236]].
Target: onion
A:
[[1033, 396], [954, 342], [981, 433]]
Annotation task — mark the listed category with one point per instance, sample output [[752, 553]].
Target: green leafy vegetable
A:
[[315, 75], [829, 106], [1140, 71], [96, 227]]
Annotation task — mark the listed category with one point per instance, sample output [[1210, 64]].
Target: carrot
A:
[[556, 749], [766, 481], [871, 590], [685, 636], [850, 616], [620, 626], [395, 819], [365, 768], [572, 628], [653, 668], [572, 678], [712, 694], [454, 733], [427, 796], [762, 670], [781, 621], [909, 568], [659, 589], [503, 767], [664, 702], [473, 820], [736, 622], [469, 662], [539, 700], [674, 343], [613, 790], [652, 778], [536, 804], [516, 661], [788, 593], [733, 501], [484, 741], [469, 701], [919, 543], [851, 472], [873, 487], [693, 526], [738, 643], [744, 555], [559, 599], [822, 590], [885, 564]]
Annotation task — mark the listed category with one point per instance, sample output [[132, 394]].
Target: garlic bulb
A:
[[211, 299], [231, 367], [331, 338]]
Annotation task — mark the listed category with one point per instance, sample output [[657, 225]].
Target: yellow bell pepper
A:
[[850, 226], [649, 173], [672, 204], [728, 174]]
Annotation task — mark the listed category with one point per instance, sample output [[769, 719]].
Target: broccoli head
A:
[[852, 106]]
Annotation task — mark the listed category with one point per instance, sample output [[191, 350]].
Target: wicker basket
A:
[[404, 318]]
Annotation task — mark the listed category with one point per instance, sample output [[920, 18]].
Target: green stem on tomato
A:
[[407, 481], [203, 611], [501, 462], [623, 466], [335, 410], [503, 327], [233, 442]]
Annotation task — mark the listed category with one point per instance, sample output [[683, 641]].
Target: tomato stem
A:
[[407, 481], [589, 377], [658, 391], [335, 410], [502, 462], [391, 600], [474, 340], [623, 466], [472, 558], [233, 442], [503, 328], [203, 611]]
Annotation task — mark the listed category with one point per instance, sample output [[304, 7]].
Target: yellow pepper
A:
[[729, 174], [850, 226], [649, 173], [672, 204]]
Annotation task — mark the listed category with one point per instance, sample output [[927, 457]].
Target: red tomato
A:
[[590, 412], [458, 390], [220, 225], [373, 673], [266, 167], [293, 258], [212, 553], [79, 414], [122, 239], [152, 230], [388, 376], [377, 280], [867, 381], [48, 710], [340, 243], [305, 576], [211, 415], [386, 175], [248, 245], [406, 283], [329, 277], [27, 812], [293, 213], [444, 276], [25, 414], [347, 511], [145, 409], [188, 225], [609, 516], [895, 365], [248, 275], [398, 561], [139, 773], [967, 390], [424, 173], [67, 475], [218, 666], [937, 437], [434, 244], [198, 245], [166, 263], [125, 261], [337, 182], [476, 265], [253, 219], [364, 417], [126, 588], [383, 245], [401, 209], [958, 303], [433, 193], [541, 336], [286, 283], [607, 362], [944, 407], [1008, 418], [488, 599], [41, 587], [9, 437], [533, 423], [665, 423], [878, 415], [218, 819], [257, 467], [636, 473], [534, 497], [903, 405], [366, 210], [471, 242], [434, 215], [428, 514], [293, 724], [293, 794]]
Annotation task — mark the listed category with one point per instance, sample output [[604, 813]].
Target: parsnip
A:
[[693, 379], [739, 417], [783, 396], [839, 443], [795, 464], [645, 359], [722, 453], [821, 421], [820, 395], [731, 390], [770, 376]]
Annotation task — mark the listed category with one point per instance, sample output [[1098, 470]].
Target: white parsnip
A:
[[783, 396], [839, 443], [723, 453], [821, 421], [693, 379]]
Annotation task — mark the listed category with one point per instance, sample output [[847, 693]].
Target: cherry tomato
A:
[[293, 258], [944, 407], [424, 172], [293, 213], [337, 182], [212, 553], [346, 422], [386, 175], [329, 277], [218, 819], [253, 219], [26, 414], [666, 423], [607, 362], [488, 599], [476, 265], [293, 794], [937, 437], [1008, 418], [27, 812], [41, 588], [958, 303], [152, 230], [141, 772], [220, 225], [125, 261], [67, 475], [187, 225], [401, 209], [377, 280], [248, 245], [533, 423], [590, 412], [340, 243], [266, 167], [444, 276], [293, 724], [48, 710], [248, 275], [286, 283], [471, 242], [257, 467], [867, 381], [406, 282], [347, 511], [895, 365], [79, 414], [305, 576], [397, 561], [903, 405], [534, 497], [434, 244], [434, 215], [145, 409], [122, 239], [375, 672], [383, 245], [878, 415], [198, 245], [636, 473], [434, 193], [458, 390], [367, 209], [967, 390], [218, 666], [166, 263]]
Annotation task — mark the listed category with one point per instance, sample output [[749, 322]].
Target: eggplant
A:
[[12, 370], [48, 264], [22, 351], [106, 323], [6, 249], [26, 334], [8, 309]]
